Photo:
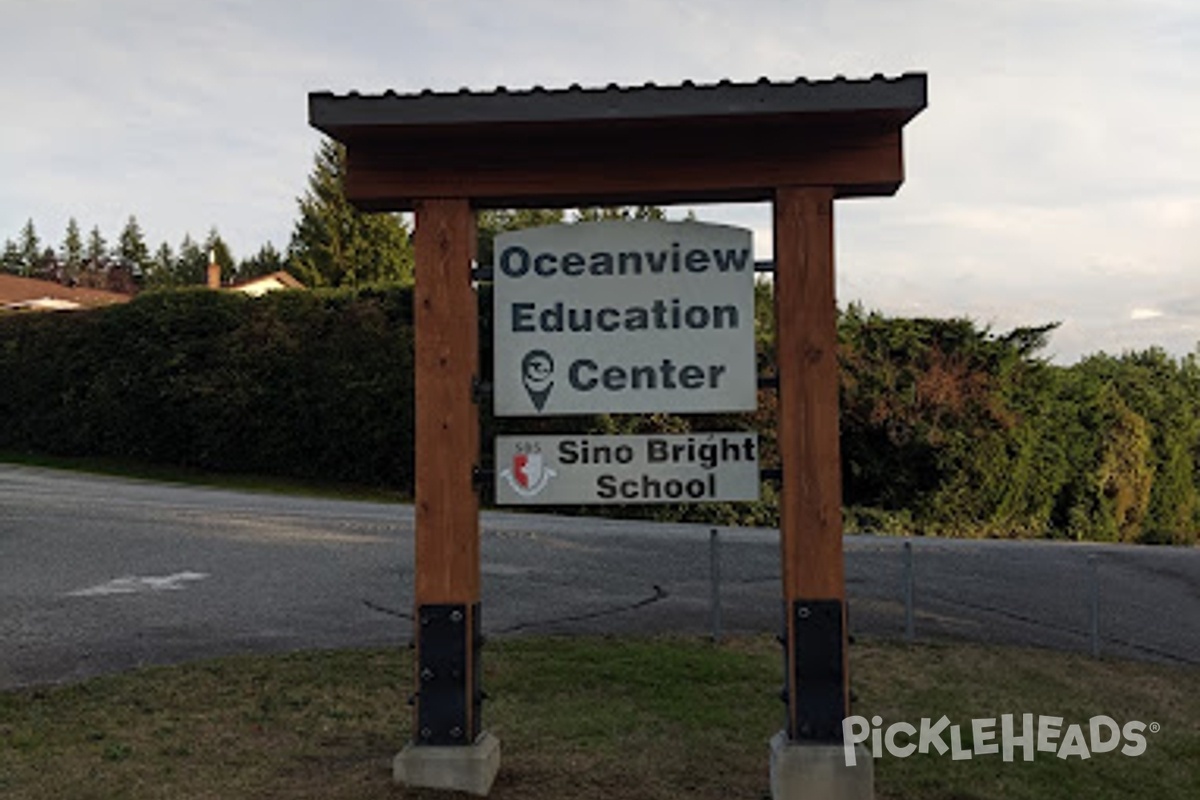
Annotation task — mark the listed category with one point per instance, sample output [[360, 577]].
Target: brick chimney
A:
[[214, 271]]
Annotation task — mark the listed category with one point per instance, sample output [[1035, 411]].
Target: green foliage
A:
[[132, 252], [950, 429], [1125, 474], [191, 267], [932, 419], [334, 244], [491, 223], [216, 250], [97, 249], [162, 265], [10, 257], [266, 261], [311, 385], [30, 249], [1155, 487], [72, 251], [947, 428]]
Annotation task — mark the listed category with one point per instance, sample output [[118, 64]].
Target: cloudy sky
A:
[[1055, 175]]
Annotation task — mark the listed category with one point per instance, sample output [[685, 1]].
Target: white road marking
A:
[[133, 584]]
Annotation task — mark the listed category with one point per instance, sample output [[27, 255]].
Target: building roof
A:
[[18, 292], [622, 144], [899, 99], [256, 287]]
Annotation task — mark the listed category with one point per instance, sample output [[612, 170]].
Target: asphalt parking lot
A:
[[101, 574]]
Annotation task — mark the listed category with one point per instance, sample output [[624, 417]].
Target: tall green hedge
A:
[[946, 428], [303, 384]]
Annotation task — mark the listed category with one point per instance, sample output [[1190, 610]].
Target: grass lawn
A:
[[580, 718]]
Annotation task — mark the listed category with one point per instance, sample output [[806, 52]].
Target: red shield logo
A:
[[527, 473], [527, 469]]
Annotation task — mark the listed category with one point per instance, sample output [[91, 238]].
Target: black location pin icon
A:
[[537, 373]]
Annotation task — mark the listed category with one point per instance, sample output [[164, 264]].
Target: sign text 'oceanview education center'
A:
[[624, 317]]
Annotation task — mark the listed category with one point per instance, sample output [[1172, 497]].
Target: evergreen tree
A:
[[132, 252], [490, 224], [191, 265], [1164, 395], [162, 268], [95, 256], [47, 267], [334, 244], [215, 247], [72, 252], [1125, 474], [266, 261], [31, 249], [10, 257]]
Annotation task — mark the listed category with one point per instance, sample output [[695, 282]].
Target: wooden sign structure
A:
[[799, 145]]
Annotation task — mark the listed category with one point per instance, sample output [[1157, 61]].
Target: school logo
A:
[[528, 474], [537, 373]]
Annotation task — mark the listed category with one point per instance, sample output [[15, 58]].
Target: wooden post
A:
[[446, 596], [811, 499]]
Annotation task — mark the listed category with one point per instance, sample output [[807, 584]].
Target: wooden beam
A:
[[447, 424], [634, 169], [446, 585], [806, 331], [806, 317]]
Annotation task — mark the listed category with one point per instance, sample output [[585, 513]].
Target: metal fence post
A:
[[910, 633], [1094, 602], [714, 572]]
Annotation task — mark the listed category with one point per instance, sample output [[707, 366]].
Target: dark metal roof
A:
[[899, 99], [619, 145]]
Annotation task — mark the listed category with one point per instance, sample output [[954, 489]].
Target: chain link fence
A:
[[1126, 601]]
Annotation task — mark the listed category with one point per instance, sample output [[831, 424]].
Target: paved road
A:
[[102, 574]]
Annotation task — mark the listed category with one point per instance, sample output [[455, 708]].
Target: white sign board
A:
[[676, 468], [624, 317]]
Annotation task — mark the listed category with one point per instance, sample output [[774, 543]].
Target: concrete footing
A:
[[464, 768], [819, 772]]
